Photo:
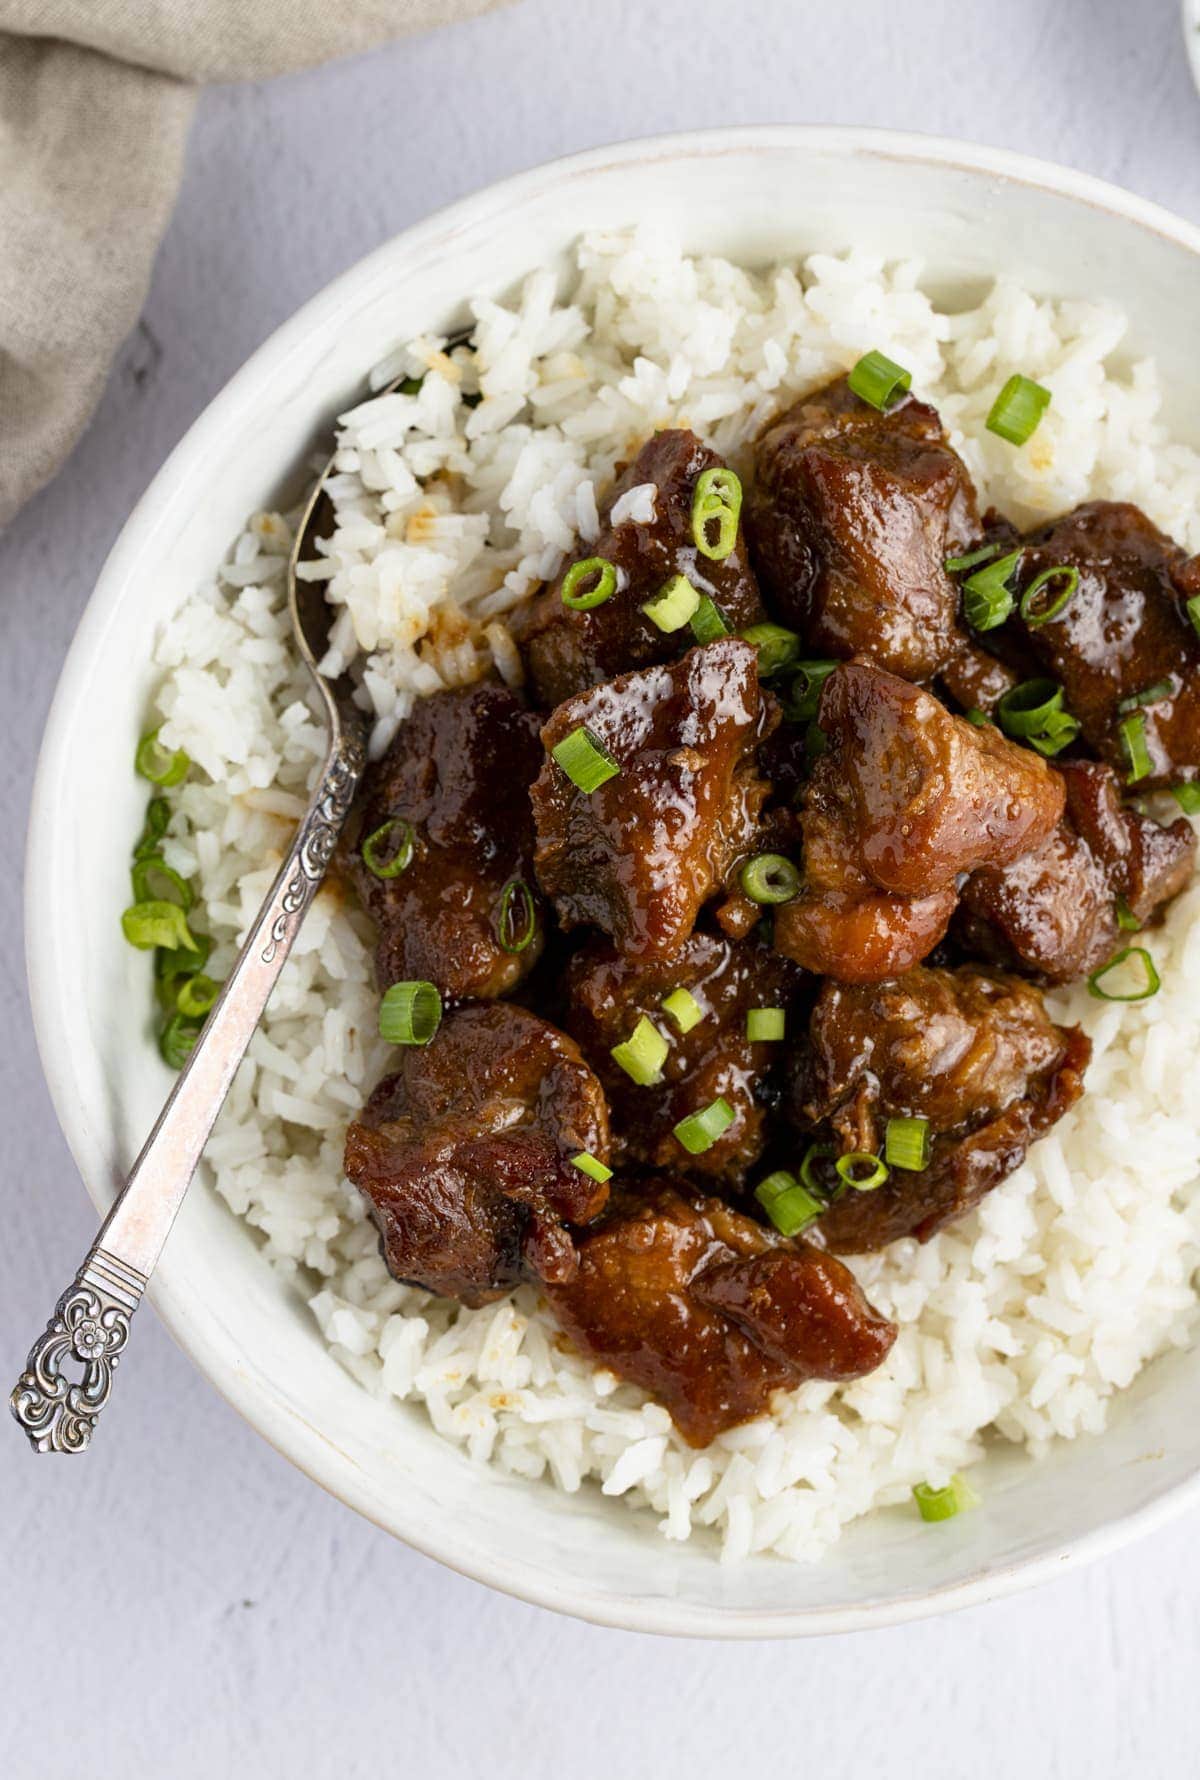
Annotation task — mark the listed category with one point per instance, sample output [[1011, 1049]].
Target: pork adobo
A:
[[794, 826]]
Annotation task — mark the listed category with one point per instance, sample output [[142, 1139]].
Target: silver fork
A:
[[90, 1325]]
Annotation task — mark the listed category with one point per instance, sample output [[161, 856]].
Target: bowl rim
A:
[[294, 1439]]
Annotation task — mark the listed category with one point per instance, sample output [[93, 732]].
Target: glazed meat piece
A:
[[1054, 910], [852, 516], [905, 799], [972, 1051], [608, 994], [464, 1154], [709, 1312], [567, 651], [639, 855], [458, 773], [1123, 631]]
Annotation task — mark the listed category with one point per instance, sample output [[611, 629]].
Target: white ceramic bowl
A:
[[761, 193]]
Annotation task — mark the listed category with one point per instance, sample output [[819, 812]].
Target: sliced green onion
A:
[[1127, 921], [683, 1008], [987, 598], [156, 763], [769, 877], [171, 963], [643, 1053], [706, 621], [851, 1167], [410, 1013], [765, 1025], [158, 815], [1061, 729], [177, 1040], [906, 1144], [591, 1166], [1149, 695], [717, 501], [673, 605], [1132, 731], [1034, 614], [979, 718], [411, 386], [699, 1131], [150, 924], [385, 858], [944, 1504], [790, 1207], [816, 1152], [879, 380], [1018, 409], [518, 916], [579, 598], [1151, 983], [954, 565], [1026, 709], [1188, 798], [777, 647], [147, 866], [806, 689], [196, 996], [585, 760], [1192, 608]]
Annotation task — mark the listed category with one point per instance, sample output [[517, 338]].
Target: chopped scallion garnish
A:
[[777, 647], [673, 605], [879, 380], [765, 1025], [906, 1144], [196, 996], [706, 621], [577, 595], [177, 1040], [683, 1008], [1192, 608], [944, 1504], [153, 923], [585, 760], [643, 1053], [1132, 731], [806, 689], [1017, 411], [979, 718], [790, 1206], [1127, 921], [769, 878], [699, 1131], [148, 866], [954, 565], [591, 1166], [987, 598], [1035, 611], [158, 764], [388, 849], [816, 1152], [410, 1013], [1151, 981], [861, 1170], [158, 816], [1149, 695], [1033, 712], [716, 502], [1187, 796], [518, 916]]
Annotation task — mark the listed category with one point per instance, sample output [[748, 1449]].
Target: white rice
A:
[[1022, 1320]]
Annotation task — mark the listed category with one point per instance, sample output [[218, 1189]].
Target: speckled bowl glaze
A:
[[758, 194]]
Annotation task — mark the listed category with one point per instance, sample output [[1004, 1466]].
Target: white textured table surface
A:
[[181, 1603]]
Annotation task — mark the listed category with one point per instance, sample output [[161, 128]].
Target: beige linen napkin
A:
[[95, 101]]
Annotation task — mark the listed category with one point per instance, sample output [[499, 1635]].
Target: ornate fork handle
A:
[[90, 1325]]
